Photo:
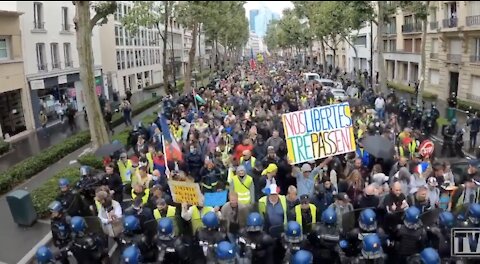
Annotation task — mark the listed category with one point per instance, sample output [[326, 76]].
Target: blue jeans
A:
[[127, 118], [381, 113]]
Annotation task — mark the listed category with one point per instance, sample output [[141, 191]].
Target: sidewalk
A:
[[15, 241], [37, 141]]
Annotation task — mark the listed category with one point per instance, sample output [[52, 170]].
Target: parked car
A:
[[459, 167], [339, 94]]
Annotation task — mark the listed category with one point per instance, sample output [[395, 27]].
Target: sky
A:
[[274, 6]]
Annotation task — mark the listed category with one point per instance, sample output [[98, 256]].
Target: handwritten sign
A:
[[319, 132], [185, 192], [215, 199]]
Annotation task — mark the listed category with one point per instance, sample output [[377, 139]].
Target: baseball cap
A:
[[123, 155], [306, 167], [343, 197], [432, 181], [304, 198]]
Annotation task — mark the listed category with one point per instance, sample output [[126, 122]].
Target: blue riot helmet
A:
[[62, 183], [302, 257], [210, 220], [367, 220], [78, 224], [44, 255], [84, 170], [453, 122], [140, 125], [293, 232], [329, 216], [412, 217], [429, 256], [254, 222], [135, 129], [131, 255], [474, 213], [131, 223], [165, 227], [446, 219], [371, 247], [55, 207], [225, 252]]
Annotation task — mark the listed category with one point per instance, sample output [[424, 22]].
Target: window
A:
[[122, 58], [38, 16], [119, 64], [41, 62], [65, 21], [119, 35], [434, 76], [475, 50], [408, 45], [67, 55], [475, 84], [474, 8], [433, 14], [456, 46], [435, 45], [4, 49], [360, 41], [128, 59], [408, 20], [55, 55]]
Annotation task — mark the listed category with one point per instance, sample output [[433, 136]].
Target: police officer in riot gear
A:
[[60, 226], [367, 225], [435, 115], [404, 113], [302, 257], [133, 137], [292, 240], [428, 124], [471, 218], [410, 237], [452, 100], [133, 234], [170, 248], [448, 133], [45, 256], [371, 251], [439, 236], [427, 256], [132, 255], [225, 253], [88, 184], [208, 236], [325, 237], [86, 247], [71, 201], [417, 117], [255, 244]]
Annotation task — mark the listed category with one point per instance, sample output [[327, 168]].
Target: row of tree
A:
[[222, 22], [331, 22]]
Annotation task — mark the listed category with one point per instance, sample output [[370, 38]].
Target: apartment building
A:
[[453, 49], [340, 54], [15, 106], [50, 57], [359, 56]]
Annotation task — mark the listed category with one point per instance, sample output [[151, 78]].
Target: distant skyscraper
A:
[[264, 17], [253, 16]]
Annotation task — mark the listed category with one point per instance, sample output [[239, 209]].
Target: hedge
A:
[[45, 194], [465, 105], [35, 164], [4, 147], [92, 161], [411, 90]]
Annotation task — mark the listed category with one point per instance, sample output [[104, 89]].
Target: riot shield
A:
[[150, 228], [276, 231], [350, 219], [430, 217], [94, 225], [392, 220]]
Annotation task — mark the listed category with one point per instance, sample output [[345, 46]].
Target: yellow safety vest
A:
[[122, 168], [150, 161], [243, 189], [411, 148], [171, 211], [144, 197], [197, 217], [252, 161], [298, 213], [98, 205], [461, 198], [262, 206]]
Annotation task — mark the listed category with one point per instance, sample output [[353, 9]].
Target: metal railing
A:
[[433, 25], [473, 20], [390, 30], [454, 57], [38, 25], [412, 28], [475, 58], [434, 56], [68, 64], [42, 67], [450, 22]]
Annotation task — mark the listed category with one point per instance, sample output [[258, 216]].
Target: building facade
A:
[[359, 58], [15, 107], [251, 19], [453, 50]]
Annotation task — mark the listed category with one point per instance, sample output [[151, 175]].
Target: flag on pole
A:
[[167, 170], [253, 65], [171, 148]]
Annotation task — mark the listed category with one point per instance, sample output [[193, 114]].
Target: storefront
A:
[[12, 118], [50, 94]]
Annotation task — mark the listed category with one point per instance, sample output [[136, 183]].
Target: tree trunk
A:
[[191, 60], [423, 66], [382, 86], [164, 51], [96, 124], [324, 56], [311, 55], [334, 61]]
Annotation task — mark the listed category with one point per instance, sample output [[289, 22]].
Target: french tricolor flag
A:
[[172, 150], [421, 168]]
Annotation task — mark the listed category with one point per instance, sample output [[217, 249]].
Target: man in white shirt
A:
[[380, 106], [110, 214]]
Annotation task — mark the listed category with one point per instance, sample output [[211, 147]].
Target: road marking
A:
[[468, 155], [85, 151], [72, 162], [31, 254]]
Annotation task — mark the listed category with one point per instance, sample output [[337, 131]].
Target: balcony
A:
[[66, 27], [473, 20], [68, 64], [450, 22], [454, 58], [475, 58], [433, 25], [391, 30], [412, 28], [56, 65], [42, 67], [434, 56]]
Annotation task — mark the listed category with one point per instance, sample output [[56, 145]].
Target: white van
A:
[[310, 76]]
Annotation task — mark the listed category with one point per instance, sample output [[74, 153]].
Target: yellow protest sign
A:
[[260, 58], [185, 192]]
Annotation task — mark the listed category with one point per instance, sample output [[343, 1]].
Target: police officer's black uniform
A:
[[256, 246], [324, 239]]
